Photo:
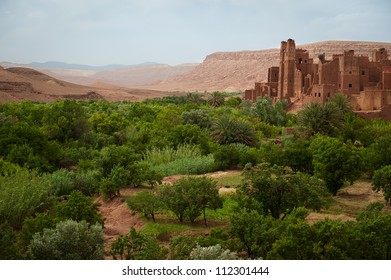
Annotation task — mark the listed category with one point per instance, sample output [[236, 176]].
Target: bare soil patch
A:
[[349, 202]]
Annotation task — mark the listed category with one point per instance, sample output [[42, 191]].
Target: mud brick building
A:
[[366, 81]]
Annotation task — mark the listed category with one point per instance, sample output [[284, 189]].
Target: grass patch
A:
[[185, 159], [163, 231], [231, 180], [224, 213], [187, 166]]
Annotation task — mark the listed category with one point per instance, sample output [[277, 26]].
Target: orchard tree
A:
[[335, 162], [279, 190], [190, 197], [146, 202], [382, 182], [255, 232], [79, 207]]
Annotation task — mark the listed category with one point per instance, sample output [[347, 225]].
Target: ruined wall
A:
[[372, 100]]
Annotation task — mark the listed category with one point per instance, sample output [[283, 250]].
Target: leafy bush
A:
[[70, 240], [215, 252], [79, 207]]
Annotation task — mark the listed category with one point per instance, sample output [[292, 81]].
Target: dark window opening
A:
[[300, 61], [305, 61], [363, 73], [328, 94], [350, 85], [350, 72]]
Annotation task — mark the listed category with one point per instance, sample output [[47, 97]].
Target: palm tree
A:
[[216, 99], [317, 118], [342, 102], [227, 131]]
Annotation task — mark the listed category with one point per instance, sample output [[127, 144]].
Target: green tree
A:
[[137, 246], [70, 240], [378, 154], [79, 207], [38, 223], [382, 182], [373, 236], [65, 120], [146, 202], [190, 197], [255, 231], [280, 190], [335, 162], [297, 239]]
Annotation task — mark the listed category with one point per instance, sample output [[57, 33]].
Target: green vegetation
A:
[[57, 160]]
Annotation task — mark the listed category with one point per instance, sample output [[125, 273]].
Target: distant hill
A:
[[116, 74], [21, 83], [237, 71]]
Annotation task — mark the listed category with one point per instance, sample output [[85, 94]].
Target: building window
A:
[[350, 72], [362, 72], [328, 94], [350, 85]]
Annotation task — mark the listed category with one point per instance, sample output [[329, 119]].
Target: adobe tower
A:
[[287, 69]]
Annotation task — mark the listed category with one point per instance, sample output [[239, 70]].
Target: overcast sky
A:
[[99, 32]]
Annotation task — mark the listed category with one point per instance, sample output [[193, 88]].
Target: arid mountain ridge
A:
[[237, 71]]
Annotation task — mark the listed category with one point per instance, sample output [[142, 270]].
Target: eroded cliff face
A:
[[237, 71]]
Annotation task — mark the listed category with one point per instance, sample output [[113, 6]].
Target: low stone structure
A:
[[367, 82]]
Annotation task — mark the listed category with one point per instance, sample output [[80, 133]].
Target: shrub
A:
[[70, 240]]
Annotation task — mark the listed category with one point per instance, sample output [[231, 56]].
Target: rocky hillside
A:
[[236, 71]]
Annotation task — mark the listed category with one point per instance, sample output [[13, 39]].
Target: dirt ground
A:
[[349, 202]]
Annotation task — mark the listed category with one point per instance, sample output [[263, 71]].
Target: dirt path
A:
[[118, 218]]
